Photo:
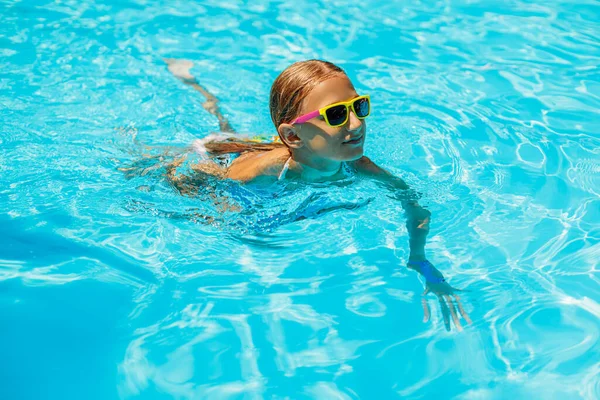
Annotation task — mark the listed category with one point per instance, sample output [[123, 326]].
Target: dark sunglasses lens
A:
[[337, 115], [362, 107]]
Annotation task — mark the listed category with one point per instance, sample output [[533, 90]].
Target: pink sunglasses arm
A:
[[303, 118]]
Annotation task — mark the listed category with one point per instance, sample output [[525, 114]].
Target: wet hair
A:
[[294, 84], [288, 92], [240, 146]]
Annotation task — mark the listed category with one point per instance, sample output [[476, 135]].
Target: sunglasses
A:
[[337, 114]]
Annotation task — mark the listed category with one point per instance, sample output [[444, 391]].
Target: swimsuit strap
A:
[[286, 166]]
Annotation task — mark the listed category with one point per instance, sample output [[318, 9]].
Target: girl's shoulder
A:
[[252, 165], [365, 165]]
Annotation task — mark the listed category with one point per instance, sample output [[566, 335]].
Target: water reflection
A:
[[489, 110]]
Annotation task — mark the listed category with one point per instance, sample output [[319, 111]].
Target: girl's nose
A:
[[354, 123]]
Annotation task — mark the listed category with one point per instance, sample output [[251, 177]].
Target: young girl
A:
[[321, 130]]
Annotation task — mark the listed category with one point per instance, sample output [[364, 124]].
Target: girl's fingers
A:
[[427, 290], [462, 310], [426, 314], [453, 312], [445, 312]]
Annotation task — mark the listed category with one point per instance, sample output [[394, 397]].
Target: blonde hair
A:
[[294, 84], [288, 92]]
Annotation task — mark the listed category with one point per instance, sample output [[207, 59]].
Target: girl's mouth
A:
[[354, 141]]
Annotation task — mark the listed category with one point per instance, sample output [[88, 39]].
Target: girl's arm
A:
[[417, 225], [417, 222]]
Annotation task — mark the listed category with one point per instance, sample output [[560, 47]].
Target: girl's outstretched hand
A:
[[446, 294]]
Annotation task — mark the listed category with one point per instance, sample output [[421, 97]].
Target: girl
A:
[[321, 130]]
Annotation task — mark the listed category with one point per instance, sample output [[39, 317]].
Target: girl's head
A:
[[305, 87]]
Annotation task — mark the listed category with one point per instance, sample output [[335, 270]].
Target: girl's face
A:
[[341, 143]]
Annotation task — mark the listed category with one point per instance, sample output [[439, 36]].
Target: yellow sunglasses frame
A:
[[323, 112]]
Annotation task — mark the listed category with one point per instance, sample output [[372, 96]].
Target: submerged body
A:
[[321, 131]]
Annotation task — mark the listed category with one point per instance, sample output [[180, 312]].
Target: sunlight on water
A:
[[114, 285]]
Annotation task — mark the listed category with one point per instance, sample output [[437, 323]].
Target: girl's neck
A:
[[313, 169]]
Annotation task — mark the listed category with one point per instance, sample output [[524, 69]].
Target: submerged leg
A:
[[181, 70]]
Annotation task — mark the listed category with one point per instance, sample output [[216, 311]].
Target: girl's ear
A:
[[289, 135]]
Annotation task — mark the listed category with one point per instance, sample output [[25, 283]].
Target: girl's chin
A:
[[353, 155], [346, 154]]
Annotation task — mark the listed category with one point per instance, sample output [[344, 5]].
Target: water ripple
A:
[[488, 110]]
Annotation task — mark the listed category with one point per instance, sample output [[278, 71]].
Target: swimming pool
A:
[[110, 288]]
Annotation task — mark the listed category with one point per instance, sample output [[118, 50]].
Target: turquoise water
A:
[[112, 287]]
